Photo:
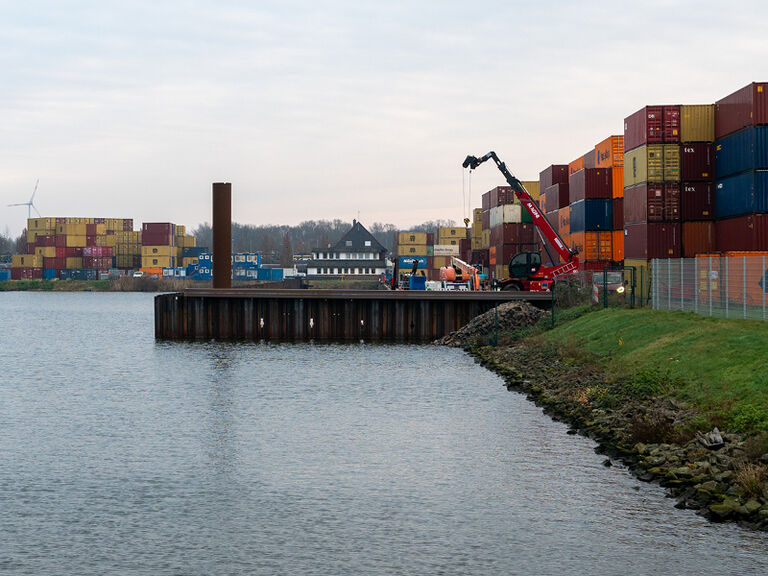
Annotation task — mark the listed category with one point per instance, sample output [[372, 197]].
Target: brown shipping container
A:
[[589, 184], [553, 219], [610, 152], [747, 106], [590, 159], [644, 203], [697, 123], [671, 202], [697, 201], [503, 253], [697, 161], [564, 221], [555, 174], [698, 238], [648, 240], [486, 219], [645, 126], [576, 165], [502, 195], [618, 213], [512, 234], [743, 233], [486, 201], [557, 197]]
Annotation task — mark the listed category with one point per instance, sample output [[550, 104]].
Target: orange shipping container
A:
[[576, 165], [618, 245], [593, 245], [618, 181], [610, 152]]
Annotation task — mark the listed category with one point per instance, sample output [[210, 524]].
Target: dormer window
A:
[[367, 242], [349, 242]]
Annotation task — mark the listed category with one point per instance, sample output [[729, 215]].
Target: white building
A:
[[358, 253]]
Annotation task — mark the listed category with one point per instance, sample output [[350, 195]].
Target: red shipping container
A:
[[157, 228], [512, 234], [646, 240], [618, 213], [502, 195], [54, 263], [61, 252], [479, 257], [90, 240], [97, 251], [646, 126], [643, 203], [555, 174], [557, 197], [554, 219], [26, 273], [697, 162], [745, 233], [90, 229], [430, 240], [747, 106], [698, 238], [155, 239], [671, 202], [99, 220], [697, 201], [44, 241], [671, 123], [589, 184], [485, 203], [503, 253], [60, 241], [486, 219], [61, 221], [74, 251]]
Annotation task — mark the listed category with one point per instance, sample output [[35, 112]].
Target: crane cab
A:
[[524, 265]]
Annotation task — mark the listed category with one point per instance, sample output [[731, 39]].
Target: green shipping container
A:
[[697, 123]]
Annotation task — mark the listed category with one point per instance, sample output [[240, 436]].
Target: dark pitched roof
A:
[[358, 235]]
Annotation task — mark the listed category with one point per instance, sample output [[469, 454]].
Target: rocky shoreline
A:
[[652, 435]]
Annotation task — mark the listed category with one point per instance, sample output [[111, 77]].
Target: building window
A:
[[367, 242], [349, 242]]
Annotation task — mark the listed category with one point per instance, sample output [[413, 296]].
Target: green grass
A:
[[719, 366]]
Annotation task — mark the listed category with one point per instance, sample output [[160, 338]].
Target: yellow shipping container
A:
[[441, 262], [412, 250], [181, 230], [74, 262], [188, 242], [114, 224], [477, 215], [412, 238], [124, 261], [447, 233], [71, 229], [502, 271], [106, 240], [76, 241], [486, 240], [158, 251], [27, 261], [156, 261], [46, 251], [697, 123], [41, 224], [477, 230], [188, 261], [101, 229], [533, 189]]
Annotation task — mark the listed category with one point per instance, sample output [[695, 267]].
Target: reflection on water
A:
[[122, 455]]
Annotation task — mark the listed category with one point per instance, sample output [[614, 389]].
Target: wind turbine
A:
[[29, 204]]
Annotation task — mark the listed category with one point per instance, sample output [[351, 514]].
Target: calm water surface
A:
[[122, 455]]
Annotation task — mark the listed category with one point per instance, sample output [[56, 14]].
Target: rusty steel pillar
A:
[[222, 235]]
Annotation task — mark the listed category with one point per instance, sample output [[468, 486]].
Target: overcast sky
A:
[[323, 110]]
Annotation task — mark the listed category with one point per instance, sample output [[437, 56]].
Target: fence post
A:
[[669, 284], [744, 282], [696, 285], [682, 286], [709, 284], [726, 286]]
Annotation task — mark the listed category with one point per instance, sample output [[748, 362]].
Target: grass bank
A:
[[717, 366]]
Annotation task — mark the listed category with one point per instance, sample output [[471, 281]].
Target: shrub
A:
[[750, 479], [756, 446], [650, 429]]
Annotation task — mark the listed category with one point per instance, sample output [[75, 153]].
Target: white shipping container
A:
[[446, 249], [507, 214]]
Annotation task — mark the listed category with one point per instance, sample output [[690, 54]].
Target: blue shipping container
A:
[[79, 274], [264, 274], [591, 215], [50, 273], [406, 262], [742, 194], [5, 274], [277, 274], [193, 251], [745, 150]]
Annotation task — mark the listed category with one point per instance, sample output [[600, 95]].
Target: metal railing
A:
[[719, 286]]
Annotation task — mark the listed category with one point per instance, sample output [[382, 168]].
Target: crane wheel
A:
[[511, 288]]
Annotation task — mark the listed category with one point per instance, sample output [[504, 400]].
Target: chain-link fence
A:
[[721, 286], [611, 287]]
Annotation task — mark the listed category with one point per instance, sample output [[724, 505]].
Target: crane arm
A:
[[539, 220]]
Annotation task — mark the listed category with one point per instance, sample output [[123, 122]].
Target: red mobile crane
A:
[[525, 269]]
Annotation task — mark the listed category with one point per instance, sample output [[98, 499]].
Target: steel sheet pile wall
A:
[[741, 159]]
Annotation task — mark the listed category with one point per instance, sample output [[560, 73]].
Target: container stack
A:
[[697, 172], [652, 185], [412, 247], [741, 168], [591, 216], [128, 249], [553, 181], [447, 245], [609, 155], [510, 228]]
